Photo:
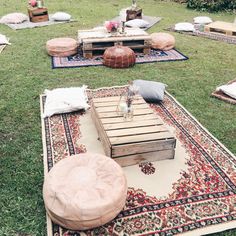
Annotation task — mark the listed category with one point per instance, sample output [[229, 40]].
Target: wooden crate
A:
[[145, 138], [135, 13], [221, 27], [92, 46], [38, 14]]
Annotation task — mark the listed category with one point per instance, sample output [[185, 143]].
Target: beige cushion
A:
[[14, 18], [84, 191], [162, 41], [61, 47]]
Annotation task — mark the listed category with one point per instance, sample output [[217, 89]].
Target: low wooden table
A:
[[221, 27], [95, 42], [145, 138]]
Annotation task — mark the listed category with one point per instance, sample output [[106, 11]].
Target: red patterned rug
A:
[[193, 194]]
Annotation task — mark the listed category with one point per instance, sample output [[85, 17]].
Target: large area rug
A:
[[79, 61], [192, 194], [27, 24], [209, 35]]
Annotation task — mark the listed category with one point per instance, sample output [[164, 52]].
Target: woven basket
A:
[[61, 47], [119, 57]]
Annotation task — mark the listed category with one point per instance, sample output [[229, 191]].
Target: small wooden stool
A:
[[38, 14]]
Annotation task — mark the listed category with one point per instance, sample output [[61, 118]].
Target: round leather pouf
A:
[[162, 41], [119, 57], [61, 47], [84, 191]]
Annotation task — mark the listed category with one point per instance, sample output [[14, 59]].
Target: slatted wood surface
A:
[[144, 138], [221, 27], [91, 45]]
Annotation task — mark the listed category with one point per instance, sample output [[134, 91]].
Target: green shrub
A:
[[212, 5]]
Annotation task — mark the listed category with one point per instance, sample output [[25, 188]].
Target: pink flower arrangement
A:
[[111, 26]]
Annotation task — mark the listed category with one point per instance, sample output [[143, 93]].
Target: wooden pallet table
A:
[[144, 138], [95, 42], [221, 27]]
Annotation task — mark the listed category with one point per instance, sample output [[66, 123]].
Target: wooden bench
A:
[[95, 42], [145, 138], [221, 27]]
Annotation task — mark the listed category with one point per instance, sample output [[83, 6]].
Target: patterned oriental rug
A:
[[209, 35], [79, 61], [192, 194]]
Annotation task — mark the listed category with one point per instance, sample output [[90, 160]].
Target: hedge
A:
[[212, 5]]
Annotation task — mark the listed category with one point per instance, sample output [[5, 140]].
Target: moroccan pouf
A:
[[61, 47], [162, 41], [119, 57], [84, 191]]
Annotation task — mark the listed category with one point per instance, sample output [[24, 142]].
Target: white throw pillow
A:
[[63, 100], [61, 16], [3, 39], [138, 23], [229, 89], [14, 18], [202, 20], [184, 26]]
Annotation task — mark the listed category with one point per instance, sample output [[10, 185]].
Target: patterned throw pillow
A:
[[14, 18]]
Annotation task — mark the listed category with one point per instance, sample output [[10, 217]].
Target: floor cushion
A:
[[61, 16], [14, 18], [162, 41], [184, 26], [84, 191], [63, 100], [138, 23], [119, 57], [61, 47], [202, 20]]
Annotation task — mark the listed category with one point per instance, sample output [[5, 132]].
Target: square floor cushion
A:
[[151, 91]]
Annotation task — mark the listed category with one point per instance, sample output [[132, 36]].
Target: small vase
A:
[[128, 114]]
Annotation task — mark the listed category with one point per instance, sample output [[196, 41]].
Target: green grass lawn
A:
[[25, 71]]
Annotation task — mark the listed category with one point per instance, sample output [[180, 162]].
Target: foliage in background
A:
[[212, 5]]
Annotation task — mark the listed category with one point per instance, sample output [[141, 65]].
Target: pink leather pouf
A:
[[84, 191], [62, 47], [162, 41]]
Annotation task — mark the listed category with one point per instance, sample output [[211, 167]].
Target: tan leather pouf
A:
[[119, 57], [84, 191], [162, 41], [61, 47]]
